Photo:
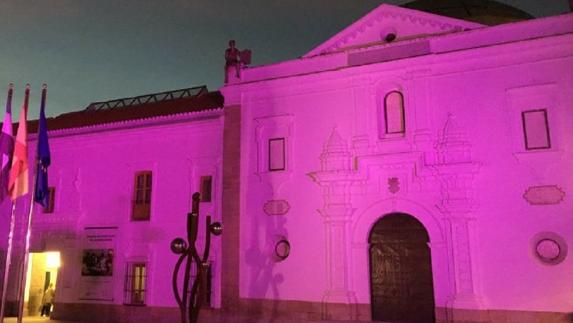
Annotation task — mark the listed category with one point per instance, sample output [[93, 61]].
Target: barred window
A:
[[142, 196], [135, 284]]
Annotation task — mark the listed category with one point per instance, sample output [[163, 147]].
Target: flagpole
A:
[[42, 160], [4, 187], [24, 270], [8, 261]]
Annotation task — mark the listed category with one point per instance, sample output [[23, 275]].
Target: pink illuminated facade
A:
[[413, 163], [462, 127]]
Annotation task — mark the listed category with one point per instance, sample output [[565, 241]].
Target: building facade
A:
[[121, 189], [414, 167], [401, 161]]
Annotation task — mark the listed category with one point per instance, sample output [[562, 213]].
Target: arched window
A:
[[394, 120]]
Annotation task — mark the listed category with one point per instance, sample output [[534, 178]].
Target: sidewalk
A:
[[225, 319], [34, 319], [37, 319]]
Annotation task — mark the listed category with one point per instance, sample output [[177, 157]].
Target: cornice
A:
[[213, 113]]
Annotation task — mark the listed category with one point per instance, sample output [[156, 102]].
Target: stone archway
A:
[[401, 284]]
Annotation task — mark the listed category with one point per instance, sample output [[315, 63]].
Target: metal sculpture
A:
[[190, 303]]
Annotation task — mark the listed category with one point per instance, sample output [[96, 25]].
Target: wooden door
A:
[[400, 271]]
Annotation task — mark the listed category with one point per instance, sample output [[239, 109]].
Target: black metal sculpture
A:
[[190, 304]]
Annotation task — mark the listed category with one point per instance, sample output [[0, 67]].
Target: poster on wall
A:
[[97, 264]]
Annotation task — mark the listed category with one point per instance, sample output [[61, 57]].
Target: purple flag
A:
[[41, 192], [6, 146]]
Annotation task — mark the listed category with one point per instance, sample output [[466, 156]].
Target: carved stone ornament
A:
[[549, 248], [335, 154], [544, 195], [276, 207], [282, 249], [393, 185]]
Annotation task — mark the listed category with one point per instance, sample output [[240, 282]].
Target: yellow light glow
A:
[[53, 260]]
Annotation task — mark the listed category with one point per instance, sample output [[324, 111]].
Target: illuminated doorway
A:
[[42, 272]]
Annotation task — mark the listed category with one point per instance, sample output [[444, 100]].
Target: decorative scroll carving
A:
[[276, 207], [543, 195]]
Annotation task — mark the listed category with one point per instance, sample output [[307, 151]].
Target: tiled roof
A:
[[140, 107]]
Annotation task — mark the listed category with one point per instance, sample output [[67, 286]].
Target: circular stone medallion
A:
[[549, 248]]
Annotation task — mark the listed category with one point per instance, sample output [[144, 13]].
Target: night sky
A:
[[100, 50]]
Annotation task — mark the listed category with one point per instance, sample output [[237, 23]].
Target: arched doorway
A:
[[401, 287]]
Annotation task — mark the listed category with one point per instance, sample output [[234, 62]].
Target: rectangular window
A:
[[142, 196], [276, 154], [51, 198], [206, 187], [536, 129], [135, 284]]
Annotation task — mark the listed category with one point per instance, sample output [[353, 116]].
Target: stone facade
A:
[[459, 164], [308, 155]]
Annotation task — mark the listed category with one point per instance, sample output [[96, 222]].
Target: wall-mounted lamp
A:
[[53, 260]]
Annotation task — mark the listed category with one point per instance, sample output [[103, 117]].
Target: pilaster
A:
[[455, 170], [336, 178]]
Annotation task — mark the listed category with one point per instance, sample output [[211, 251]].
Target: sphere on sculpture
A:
[[216, 228], [178, 245]]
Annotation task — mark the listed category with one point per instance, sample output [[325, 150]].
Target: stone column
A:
[[336, 179], [458, 208], [230, 298], [456, 170], [338, 301]]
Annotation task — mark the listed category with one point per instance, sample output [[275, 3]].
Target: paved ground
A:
[[34, 319], [37, 319], [228, 320]]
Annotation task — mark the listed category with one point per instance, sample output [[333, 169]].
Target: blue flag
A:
[[41, 192], [6, 146]]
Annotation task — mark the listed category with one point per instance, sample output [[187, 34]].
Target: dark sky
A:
[[96, 50]]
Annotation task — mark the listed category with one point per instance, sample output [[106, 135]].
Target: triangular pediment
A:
[[374, 28]]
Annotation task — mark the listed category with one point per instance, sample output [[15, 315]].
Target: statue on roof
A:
[[235, 59]]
